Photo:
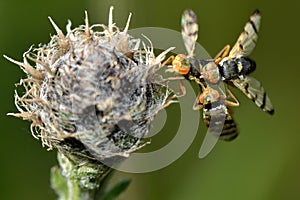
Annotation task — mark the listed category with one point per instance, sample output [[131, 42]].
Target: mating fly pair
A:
[[231, 66]]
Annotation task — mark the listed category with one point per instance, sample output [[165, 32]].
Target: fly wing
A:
[[248, 38], [220, 126], [220, 123], [254, 90], [189, 31]]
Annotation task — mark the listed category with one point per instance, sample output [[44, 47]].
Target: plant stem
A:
[[77, 181]]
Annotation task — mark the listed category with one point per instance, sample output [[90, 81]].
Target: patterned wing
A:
[[189, 31], [220, 123], [253, 89], [247, 40]]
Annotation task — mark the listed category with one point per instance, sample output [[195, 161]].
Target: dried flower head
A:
[[91, 93]]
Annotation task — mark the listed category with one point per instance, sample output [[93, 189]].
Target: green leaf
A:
[[117, 190]]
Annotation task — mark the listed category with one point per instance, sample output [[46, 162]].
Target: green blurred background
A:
[[263, 163]]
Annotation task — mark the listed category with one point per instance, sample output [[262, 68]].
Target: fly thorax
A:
[[211, 72], [209, 96]]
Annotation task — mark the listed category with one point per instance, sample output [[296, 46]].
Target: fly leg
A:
[[197, 105], [168, 61], [181, 88], [222, 54], [234, 103]]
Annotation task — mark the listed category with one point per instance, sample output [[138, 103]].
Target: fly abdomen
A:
[[229, 131], [245, 65], [229, 70]]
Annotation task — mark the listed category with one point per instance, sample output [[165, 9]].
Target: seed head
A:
[[91, 93]]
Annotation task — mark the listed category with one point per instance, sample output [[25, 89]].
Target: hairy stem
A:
[[77, 181]]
